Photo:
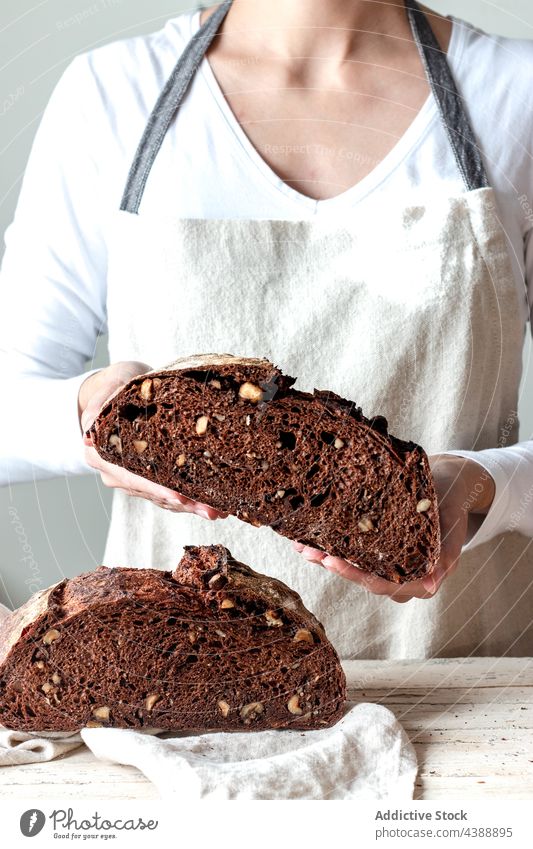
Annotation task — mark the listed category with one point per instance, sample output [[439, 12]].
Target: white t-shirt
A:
[[53, 276]]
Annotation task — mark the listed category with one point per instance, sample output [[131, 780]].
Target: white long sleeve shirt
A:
[[53, 277]]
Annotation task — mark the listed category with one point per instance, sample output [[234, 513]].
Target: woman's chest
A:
[[321, 137]]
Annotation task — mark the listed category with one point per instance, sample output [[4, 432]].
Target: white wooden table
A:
[[470, 720]]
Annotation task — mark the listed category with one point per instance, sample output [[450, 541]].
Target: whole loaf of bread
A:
[[233, 433], [212, 646]]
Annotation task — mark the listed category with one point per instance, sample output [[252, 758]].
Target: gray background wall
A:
[[56, 528]]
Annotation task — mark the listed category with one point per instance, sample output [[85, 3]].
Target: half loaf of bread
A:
[[234, 433], [212, 646]]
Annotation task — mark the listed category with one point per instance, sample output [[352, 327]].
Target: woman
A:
[[310, 187]]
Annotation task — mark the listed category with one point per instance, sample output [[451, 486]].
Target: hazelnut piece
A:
[[250, 392], [101, 713], [147, 390], [201, 425], [150, 701], [293, 706], [423, 505], [115, 442], [50, 636], [272, 619], [303, 636], [251, 711], [224, 708]]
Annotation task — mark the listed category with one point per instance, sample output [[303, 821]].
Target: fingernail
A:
[[431, 583]]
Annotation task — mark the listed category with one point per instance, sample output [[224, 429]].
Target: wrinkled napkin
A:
[[366, 755]]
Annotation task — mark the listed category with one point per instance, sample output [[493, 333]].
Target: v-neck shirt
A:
[[413, 135]]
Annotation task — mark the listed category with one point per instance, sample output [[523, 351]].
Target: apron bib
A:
[[427, 332]]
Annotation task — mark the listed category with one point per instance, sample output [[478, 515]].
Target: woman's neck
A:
[[309, 27]]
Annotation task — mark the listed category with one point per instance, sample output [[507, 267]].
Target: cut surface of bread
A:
[[211, 646], [233, 433]]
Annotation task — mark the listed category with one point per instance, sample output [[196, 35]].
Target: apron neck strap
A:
[[166, 107], [449, 102]]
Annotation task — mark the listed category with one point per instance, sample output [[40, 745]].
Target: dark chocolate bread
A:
[[233, 433], [212, 646]]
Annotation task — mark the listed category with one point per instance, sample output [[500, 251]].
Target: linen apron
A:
[[424, 328]]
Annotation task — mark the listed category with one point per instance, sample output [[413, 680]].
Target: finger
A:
[[93, 459], [108, 480], [165, 505], [445, 567], [112, 380], [432, 582], [116, 476], [187, 505], [97, 401], [128, 480], [196, 509], [346, 570], [371, 583], [313, 555], [212, 511], [452, 538], [374, 584]]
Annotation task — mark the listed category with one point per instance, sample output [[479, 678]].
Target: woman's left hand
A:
[[463, 487]]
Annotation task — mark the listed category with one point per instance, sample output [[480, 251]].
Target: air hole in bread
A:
[[131, 412], [287, 439], [312, 471], [317, 500]]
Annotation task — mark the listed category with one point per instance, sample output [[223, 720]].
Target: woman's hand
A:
[[463, 487], [93, 394]]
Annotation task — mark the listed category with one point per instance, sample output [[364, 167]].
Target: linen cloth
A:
[[366, 755]]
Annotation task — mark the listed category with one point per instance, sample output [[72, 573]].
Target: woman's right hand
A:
[[93, 394]]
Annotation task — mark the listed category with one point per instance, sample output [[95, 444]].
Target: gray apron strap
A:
[[453, 113], [449, 102], [166, 107]]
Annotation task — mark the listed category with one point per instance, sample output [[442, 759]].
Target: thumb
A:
[[106, 384]]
